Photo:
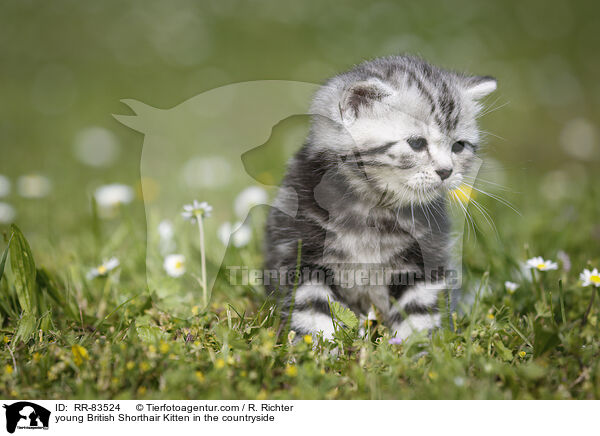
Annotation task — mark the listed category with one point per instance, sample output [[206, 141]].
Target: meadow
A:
[[69, 333], [91, 304]]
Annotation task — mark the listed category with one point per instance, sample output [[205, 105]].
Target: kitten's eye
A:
[[458, 146], [417, 142]]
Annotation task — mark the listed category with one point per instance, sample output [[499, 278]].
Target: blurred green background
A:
[[67, 64]]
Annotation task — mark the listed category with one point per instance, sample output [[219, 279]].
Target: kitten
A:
[[388, 139]]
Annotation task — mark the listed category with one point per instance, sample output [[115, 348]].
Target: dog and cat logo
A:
[[26, 415]]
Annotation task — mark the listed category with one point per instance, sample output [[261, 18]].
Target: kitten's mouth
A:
[[433, 187], [447, 185], [429, 191]]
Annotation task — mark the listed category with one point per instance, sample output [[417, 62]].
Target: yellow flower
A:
[[152, 349], [8, 369], [142, 390], [130, 365], [266, 347], [199, 376], [463, 193], [164, 347], [308, 339], [432, 375], [490, 316], [144, 366], [36, 356], [522, 354], [6, 339], [230, 360], [195, 310], [220, 363], [291, 370], [79, 354]]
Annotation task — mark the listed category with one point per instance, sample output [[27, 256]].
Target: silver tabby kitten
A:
[[388, 139]]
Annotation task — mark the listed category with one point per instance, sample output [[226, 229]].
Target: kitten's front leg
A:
[[416, 309], [310, 312]]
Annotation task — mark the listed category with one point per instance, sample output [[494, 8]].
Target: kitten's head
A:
[[410, 127]]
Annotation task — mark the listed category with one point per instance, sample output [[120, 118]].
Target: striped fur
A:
[[369, 185]]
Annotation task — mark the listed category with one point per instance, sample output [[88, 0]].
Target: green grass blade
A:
[[293, 301], [99, 323], [521, 335], [562, 302], [26, 328], [23, 267], [47, 285], [4, 256]]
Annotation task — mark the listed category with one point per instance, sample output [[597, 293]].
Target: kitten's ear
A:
[[478, 87], [360, 95]]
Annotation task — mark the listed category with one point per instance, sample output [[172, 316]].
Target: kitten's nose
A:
[[444, 173]]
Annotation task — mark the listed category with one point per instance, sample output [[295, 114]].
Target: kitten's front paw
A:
[[414, 323]]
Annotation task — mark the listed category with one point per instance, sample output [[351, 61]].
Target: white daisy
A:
[[242, 236], [174, 265], [541, 265], [96, 146], [110, 197], [239, 234], [590, 278], [371, 315], [165, 229], [166, 233], [4, 186], [192, 211], [248, 198], [195, 213], [224, 232], [511, 287], [33, 186], [7, 213], [103, 269]]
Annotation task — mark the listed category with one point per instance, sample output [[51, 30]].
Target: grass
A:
[[67, 65], [66, 336]]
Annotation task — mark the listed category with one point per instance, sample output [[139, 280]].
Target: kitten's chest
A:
[[366, 257], [356, 239], [366, 247], [361, 263]]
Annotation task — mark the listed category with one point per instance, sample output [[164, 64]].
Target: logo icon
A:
[[26, 415]]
